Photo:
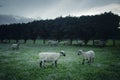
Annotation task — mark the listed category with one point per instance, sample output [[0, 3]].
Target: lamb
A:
[[15, 46], [89, 55], [50, 57], [52, 43]]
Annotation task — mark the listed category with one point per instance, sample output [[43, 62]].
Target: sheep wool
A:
[[52, 43], [49, 57], [15, 46], [87, 56]]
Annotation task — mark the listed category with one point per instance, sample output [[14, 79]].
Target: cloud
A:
[[8, 19], [115, 8], [1, 5], [62, 8], [55, 8], [81, 7]]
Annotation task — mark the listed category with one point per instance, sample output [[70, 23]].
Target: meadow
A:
[[23, 64]]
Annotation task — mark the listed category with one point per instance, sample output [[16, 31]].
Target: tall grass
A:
[[23, 64]]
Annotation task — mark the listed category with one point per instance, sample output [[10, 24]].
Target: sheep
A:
[[66, 43], [52, 43], [50, 57], [89, 55], [80, 42], [15, 46], [100, 43]]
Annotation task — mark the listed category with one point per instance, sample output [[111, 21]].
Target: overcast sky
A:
[[47, 9]]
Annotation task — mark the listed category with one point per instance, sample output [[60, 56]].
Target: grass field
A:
[[23, 64]]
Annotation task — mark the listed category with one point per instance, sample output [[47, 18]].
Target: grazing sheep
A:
[[50, 57], [80, 42], [15, 46], [66, 43], [52, 43], [87, 56], [99, 43]]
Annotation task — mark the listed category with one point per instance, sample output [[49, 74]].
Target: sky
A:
[[50, 9]]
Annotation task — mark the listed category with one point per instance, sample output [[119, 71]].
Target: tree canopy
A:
[[103, 26]]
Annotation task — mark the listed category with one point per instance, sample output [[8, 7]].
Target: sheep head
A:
[[80, 52], [62, 52]]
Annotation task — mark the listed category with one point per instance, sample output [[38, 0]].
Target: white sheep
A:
[[80, 42], [53, 43], [15, 46], [99, 43], [66, 42], [50, 57], [87, 56]]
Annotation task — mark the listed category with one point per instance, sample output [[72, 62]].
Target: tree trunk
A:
[[34, 41], [44, 41], [93, 42], [25, 40], [85, 41], [8, 40], [17, 40]]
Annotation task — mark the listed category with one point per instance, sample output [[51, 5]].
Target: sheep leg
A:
[[53, 64], [92, 60], [83, 61], [44, 64], [40, 63], [87, 60], [56, 63]]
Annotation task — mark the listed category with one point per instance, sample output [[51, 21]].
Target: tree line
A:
[[85, 28]]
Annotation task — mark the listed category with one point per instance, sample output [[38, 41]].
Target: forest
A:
[[95, 27]]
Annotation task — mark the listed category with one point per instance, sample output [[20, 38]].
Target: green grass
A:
[[23, 64]]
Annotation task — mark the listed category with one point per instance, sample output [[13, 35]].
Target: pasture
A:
[[23, 64]]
